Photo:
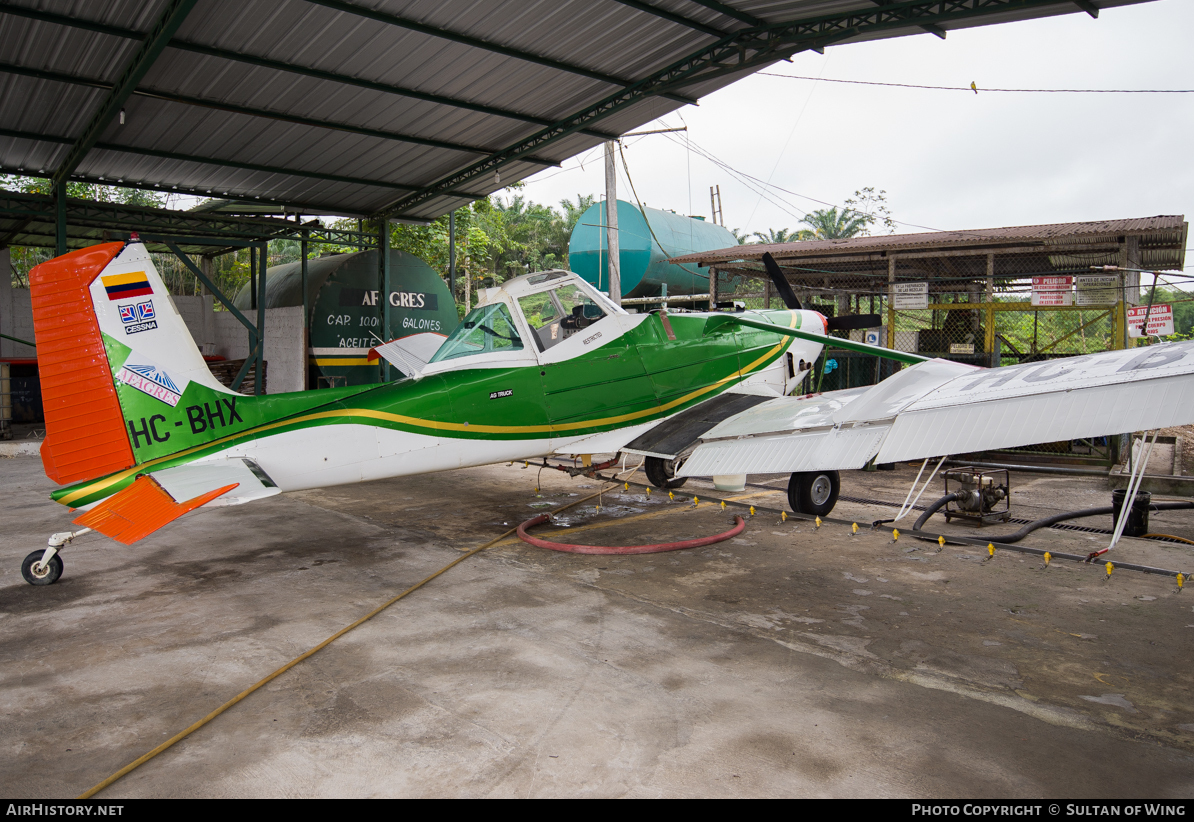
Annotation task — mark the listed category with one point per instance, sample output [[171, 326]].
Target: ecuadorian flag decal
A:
[[123, 286]]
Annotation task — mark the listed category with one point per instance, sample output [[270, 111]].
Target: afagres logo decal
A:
[[148, 378], [123, 286], [138, 317]]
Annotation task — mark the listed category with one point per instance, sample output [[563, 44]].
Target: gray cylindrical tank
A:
[[344, 317], [644, 250]]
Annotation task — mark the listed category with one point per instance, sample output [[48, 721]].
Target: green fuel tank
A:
[[644, 251], [344, 314]]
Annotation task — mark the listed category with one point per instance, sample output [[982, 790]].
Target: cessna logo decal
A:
[[499, 394], [138, 317]]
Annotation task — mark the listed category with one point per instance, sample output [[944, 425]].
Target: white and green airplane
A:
[[139, 432]]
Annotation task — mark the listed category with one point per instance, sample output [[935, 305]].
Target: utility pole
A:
[[611, 224], [715, 206]]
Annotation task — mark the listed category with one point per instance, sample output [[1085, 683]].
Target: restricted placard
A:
[[1097, 289], [909, 296], [1160, 320]]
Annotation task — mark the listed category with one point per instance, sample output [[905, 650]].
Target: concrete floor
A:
[[782, 663]]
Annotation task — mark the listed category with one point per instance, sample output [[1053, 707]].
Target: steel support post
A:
[[60, 217], [891, 314], [452, 255], [989, 336], [306, 309], [383, 255], [712, 287], [259, 376]]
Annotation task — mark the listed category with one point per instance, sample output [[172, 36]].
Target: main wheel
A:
[[37, 574], [814, 492], [662, 473]]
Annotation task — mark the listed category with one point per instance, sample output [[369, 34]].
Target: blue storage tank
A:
[[644, 251]]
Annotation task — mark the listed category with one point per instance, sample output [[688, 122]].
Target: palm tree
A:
[[830, 224], [782, 235]]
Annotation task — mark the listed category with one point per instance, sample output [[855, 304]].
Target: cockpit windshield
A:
[[485, 330], [558, 314]]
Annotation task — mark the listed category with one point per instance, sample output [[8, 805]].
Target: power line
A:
[[975, 90]]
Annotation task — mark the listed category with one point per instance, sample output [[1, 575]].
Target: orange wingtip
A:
[[140, 509]]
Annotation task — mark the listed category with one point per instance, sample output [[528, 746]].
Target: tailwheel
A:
[[37, 573], [662, 473], [814, 492]]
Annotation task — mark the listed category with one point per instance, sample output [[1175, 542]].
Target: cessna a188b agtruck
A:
[[139, 432]]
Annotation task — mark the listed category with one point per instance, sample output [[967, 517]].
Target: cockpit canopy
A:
[[550, 306]]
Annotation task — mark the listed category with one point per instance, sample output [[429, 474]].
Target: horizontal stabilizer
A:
[[139, 510], [187, 481], [159, 498]]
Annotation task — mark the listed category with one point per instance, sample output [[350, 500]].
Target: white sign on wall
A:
[[1160, 320], [1097, 289], [909, 296]]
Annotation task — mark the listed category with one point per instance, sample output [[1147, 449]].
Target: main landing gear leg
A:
[[44, 567]]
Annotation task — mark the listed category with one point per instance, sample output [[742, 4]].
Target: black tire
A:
[[661, 473], [814, 492], [49, 576]]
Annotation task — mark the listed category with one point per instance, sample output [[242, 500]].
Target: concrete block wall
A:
[[285, 345], [196, 313], [16, 312]]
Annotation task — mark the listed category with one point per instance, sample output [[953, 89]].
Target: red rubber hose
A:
[[658, 548]]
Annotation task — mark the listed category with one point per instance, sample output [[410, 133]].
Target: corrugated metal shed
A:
[[961, 261], [394, 107]]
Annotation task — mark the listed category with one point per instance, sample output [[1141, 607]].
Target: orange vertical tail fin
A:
[[85, 434]]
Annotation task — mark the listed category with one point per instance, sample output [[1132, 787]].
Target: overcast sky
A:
[[947, 159]]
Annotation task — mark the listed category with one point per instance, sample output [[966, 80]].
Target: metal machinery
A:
[[981, 497]]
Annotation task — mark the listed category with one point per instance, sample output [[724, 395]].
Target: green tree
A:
[[873, 207], [775, 236], [831, 224]]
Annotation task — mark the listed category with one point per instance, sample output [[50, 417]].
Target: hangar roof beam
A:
[[255, 112], [142, 60], [730, 11], [673, 17], [278, 65], [473, 42]]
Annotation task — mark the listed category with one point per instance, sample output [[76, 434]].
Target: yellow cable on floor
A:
[[136, 763], [1170, 536]]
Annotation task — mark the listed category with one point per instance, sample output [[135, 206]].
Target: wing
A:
[[160, 497], [940, 407]]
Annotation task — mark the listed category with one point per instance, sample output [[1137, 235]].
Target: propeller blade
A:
[[849, 322], [780, 282]]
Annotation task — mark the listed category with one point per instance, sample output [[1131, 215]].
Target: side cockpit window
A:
[[556, 315]]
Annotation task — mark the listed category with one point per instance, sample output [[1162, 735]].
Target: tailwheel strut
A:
[[45, 567]]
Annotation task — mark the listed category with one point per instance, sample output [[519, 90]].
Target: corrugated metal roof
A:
[[309, 102], [1166, 232]]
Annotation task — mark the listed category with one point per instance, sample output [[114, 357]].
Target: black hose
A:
[[932, 509], [1047, 521]]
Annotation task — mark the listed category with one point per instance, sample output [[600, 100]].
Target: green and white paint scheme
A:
[[578, 376]]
